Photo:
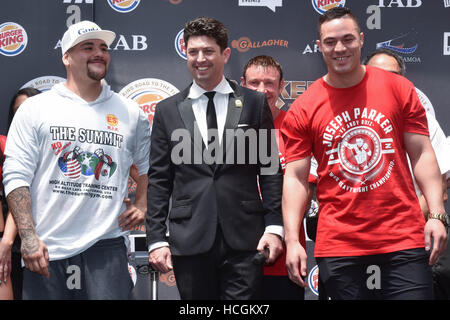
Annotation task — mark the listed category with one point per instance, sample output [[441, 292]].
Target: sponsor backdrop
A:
[[149, 62]]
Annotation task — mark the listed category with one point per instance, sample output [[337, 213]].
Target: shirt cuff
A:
[[278, 230], [15, 184], [157, 245]]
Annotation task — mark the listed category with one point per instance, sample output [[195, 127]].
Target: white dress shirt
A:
[[200, 103]]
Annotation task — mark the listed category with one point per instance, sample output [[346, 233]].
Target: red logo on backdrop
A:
[[147, 93], [322, 6], [147, 102], [244, 44], [124, 6], [13, 39]]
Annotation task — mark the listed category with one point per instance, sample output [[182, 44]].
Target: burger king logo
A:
[[133, 274], [123, 6], [147, 93], [43, 83], [322, 6], [13, 39], [180, 46], [313, 280]]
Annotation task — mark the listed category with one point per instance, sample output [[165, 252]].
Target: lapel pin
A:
[[238, 103]]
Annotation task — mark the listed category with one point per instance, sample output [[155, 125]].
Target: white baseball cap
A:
[[85, 30]]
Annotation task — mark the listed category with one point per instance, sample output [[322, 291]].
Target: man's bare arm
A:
[[426, 171], [295, 200], [34, 251], [423, 202], [19, 203], [134, 215]]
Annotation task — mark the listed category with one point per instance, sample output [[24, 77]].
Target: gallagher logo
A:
[[13, 39], [244, 44], [147, 93], [179, 44], [123, 6], [322, 6]]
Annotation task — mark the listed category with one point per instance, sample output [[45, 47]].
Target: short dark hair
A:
[[28, 91], [263, 61], [400, 62], [337, 13], [205, 26]]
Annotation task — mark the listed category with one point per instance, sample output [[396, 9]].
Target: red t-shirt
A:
[[278, 268], [365, 190]]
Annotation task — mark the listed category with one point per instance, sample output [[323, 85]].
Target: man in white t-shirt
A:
[[69, 153]]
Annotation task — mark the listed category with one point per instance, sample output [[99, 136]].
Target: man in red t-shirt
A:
[[359, 122], [264, 74]]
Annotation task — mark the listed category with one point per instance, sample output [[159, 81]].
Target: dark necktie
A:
[[211, 121], [211, 118]]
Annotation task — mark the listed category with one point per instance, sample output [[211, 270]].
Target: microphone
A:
[[261, 256]]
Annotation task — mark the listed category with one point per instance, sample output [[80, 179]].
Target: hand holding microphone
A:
[[261, 256]]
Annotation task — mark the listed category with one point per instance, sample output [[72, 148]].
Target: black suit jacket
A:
[[204, 196]]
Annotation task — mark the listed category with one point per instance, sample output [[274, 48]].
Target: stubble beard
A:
[[96, 75]]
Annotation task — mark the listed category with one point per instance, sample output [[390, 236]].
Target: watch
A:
[[443, 217]]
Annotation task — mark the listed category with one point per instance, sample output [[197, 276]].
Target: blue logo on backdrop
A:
[[399, 48]]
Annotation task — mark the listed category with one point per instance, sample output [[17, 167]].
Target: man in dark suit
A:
[[212, 153]]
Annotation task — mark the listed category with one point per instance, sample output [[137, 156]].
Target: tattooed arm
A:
[[34, 251]]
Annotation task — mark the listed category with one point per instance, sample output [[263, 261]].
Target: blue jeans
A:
[[98, 273]]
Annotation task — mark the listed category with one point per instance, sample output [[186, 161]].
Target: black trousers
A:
[[441, 274], [219, 274], [16, 274], [400, 275], [281, 288]]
